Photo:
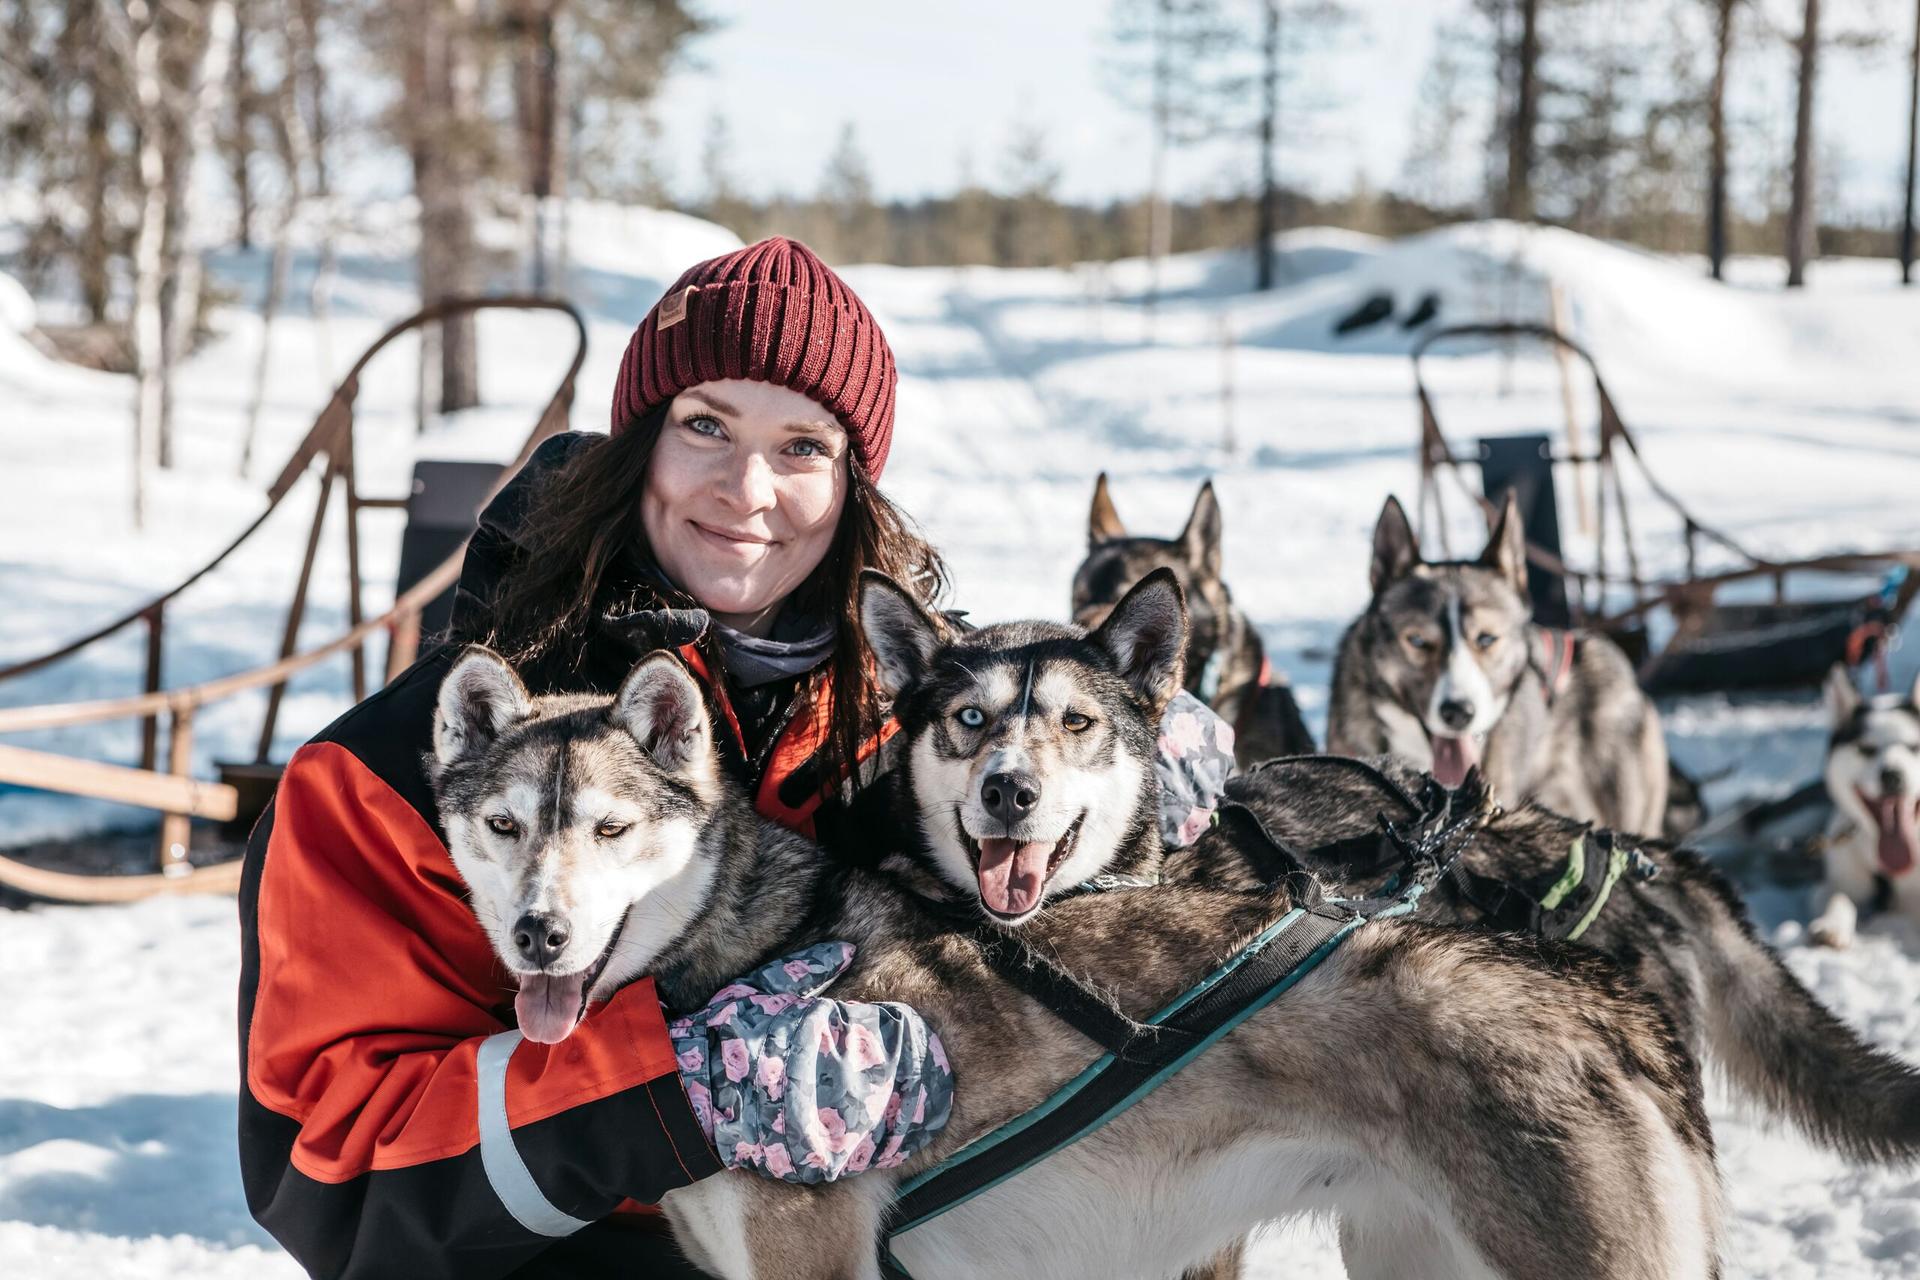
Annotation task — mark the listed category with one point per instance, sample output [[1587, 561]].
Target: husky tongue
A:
[[1894, 815], [548, 1007], [1012, 874], [1452, 757]]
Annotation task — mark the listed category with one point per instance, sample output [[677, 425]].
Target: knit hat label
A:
[[673, 308]]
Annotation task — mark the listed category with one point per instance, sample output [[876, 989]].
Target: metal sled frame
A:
[[329, 448], [1592, 590]]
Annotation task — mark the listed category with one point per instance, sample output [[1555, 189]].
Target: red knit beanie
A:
[[775, 313]]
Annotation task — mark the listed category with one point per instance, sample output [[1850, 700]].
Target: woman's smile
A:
[[742, 542]]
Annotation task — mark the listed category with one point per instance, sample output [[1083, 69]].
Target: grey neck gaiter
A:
[[752, 661]]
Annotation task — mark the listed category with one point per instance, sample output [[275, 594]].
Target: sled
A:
[[328, 449], [1789, 641]]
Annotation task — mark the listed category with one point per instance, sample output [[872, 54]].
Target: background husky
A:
[[1873, 775], [1435, 1088], [1445, 670], [1226, 663]]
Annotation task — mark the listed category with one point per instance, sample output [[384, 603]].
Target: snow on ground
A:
[[1790, 420]]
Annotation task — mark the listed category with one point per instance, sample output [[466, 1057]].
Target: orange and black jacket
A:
[[392, 1122]]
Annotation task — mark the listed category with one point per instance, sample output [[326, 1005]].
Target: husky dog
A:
[[1226, 663], [1467, 1104], [1446, 671], [1873, 775]]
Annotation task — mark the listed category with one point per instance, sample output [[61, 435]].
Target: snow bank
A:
[[1788, 419]]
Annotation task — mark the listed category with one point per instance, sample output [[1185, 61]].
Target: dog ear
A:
[[1841, 697], [661, 706], [479, 699], [1395, 550], [901, 634], [1147, 635], [1200, 540], [1103, 521], [1506, 550]]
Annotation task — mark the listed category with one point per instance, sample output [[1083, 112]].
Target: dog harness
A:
[[1596, 862], [1139, 1057], [1561, 911]]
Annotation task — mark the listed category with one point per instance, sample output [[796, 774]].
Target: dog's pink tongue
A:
[[1013, 874], [1452, 757], [548, 1007], [1899, 840]]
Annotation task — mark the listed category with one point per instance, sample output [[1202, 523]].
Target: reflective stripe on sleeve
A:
[[506, 1171]]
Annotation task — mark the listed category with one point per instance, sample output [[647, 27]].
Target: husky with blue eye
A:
[[1872, 847]]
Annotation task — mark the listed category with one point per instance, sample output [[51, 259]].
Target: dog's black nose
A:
[[539, 938], [1892, 782], [1456, 714], [1010, 796]]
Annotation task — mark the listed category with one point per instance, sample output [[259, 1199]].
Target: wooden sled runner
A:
[[172, 790]]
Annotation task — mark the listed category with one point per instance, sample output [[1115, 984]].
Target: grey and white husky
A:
[[1226, 662], [1446, 671], [1467, 1105], [1873, 775]]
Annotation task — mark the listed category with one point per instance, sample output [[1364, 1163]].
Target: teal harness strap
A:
[[1284, 953]]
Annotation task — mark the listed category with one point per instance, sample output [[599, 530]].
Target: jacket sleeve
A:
[[391, 1122]]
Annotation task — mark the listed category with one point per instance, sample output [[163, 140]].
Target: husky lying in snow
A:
[[1873, 776], [1226, 663], [1446, 671], [1467, 1104]]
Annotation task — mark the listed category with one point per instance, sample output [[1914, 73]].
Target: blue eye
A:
[[808, 449], [703, 425], [1415, 640], [971, 717], [1485, 639]]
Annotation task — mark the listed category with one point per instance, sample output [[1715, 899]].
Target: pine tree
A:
[[855, 225]]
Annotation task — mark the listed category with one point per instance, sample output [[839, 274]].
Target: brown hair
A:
[[586, 516]]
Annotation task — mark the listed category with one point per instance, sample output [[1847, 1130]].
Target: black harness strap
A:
[[1073, 1001]]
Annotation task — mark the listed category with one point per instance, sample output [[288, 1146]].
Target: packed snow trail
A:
[[1790, 419]]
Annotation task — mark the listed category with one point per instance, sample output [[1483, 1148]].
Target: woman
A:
[[390, 1123]]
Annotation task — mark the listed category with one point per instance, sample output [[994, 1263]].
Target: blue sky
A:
[[924, 83]]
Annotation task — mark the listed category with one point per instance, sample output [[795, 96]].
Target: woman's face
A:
[[743, 494]]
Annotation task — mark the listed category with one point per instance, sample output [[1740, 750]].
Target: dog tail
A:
[[1780, 1045]]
